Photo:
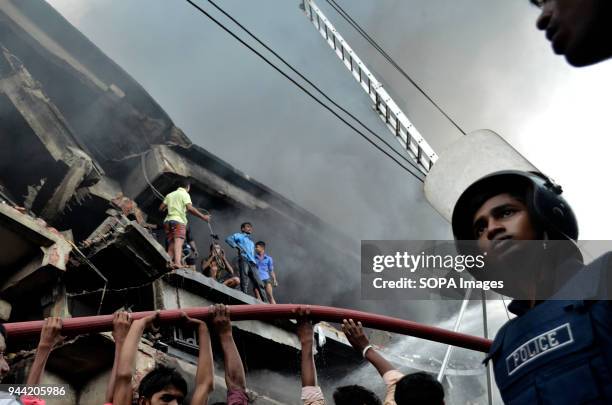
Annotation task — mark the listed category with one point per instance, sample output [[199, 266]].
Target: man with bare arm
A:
[[178, 204], [311, 392], [235, 378], [162, 385], [416, 388]]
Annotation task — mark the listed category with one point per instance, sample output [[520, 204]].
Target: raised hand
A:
[[50, 335], [121, 326], [221, 319], [150, 321], [304, 329], [355, 335], [192, 321]]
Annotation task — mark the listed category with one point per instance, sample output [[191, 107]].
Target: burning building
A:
[[85, 155]]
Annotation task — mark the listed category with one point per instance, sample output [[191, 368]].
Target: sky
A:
[[482, 61]]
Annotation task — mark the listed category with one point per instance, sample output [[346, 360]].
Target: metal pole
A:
[[449, 350], [486, 336]]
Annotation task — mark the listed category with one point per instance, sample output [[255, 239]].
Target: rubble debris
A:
[[130, 209], [84, 149], [125, 251], [56, 157], [34, 255]]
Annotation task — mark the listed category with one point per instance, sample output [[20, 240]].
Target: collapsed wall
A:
[[84, 154]]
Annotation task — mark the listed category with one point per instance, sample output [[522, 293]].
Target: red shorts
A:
[[237, 397], [174, 230]]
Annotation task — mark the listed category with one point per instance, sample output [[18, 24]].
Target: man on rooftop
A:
[[247, 264], [178, 203], [265, 266]]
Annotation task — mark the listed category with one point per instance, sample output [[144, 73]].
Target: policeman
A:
[[558, 349]]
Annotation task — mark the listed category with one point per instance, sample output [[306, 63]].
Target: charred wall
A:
[[86, 151]]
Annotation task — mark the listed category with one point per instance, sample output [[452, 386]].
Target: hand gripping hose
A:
[[101, 323]]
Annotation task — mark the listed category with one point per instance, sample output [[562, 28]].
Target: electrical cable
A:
[[112, 290], [95, 269], [223, 27], [144, 172], [294, 70], [375, 45]]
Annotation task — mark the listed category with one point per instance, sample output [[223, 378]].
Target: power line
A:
[[309, 81], [389, 59], [305, 90], [223, 27]]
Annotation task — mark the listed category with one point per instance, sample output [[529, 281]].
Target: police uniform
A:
[[560, 351]]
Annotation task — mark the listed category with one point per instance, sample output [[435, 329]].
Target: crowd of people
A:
[[551, 342], [164, 385], [255, 268]]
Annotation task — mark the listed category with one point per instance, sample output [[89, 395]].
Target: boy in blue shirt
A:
[[265, 267]]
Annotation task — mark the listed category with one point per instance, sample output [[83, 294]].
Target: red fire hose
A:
[[101, 323]]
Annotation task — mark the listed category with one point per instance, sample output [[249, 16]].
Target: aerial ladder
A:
[[398, 124], [388, 111]]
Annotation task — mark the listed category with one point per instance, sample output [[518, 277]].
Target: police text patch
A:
[[539, 346]]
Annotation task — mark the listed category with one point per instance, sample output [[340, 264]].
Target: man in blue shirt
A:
[[247, 265], [265, 266]]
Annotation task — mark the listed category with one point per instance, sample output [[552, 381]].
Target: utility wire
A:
[[294, 70], [374, 44], [144, 173], [112, 290], [95, 269], [223, 27]]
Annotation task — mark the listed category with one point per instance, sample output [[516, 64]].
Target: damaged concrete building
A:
[[84, 154]]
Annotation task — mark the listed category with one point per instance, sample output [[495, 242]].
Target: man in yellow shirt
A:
[[178, 203]]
